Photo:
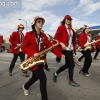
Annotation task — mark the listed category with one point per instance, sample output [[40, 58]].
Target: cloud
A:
[[31, 8], [10, 22], [87, 7], [40, 4], [77, 23]]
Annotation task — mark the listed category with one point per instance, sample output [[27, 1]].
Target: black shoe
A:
[[58, 61], [73, 83], [95, 59], [25, 75], [54, 77], [85, 74], [47, 69]]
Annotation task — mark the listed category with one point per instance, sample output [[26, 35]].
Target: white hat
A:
[[37, 17], [85, 27], [99, 34]]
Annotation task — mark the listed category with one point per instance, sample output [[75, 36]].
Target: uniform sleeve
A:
[[98, 43], [25, 45], [54, 50], [58, 34], [12, 39], [81, 40]]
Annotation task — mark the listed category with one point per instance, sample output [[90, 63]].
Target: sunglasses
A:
[[21, 27], [39, 21]]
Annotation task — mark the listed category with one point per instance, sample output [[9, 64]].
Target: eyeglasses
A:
[[21, 27], [40, 21]]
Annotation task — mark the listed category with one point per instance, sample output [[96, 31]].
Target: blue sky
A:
[[82, 11]]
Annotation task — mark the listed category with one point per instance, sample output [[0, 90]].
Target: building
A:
[[6, 43], [94, 31]]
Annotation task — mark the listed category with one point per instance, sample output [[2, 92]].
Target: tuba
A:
[[34, 61], [87, 46]]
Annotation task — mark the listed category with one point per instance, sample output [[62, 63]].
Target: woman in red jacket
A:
[[67, 38], [85, 39], [34, 42], [79, 59]]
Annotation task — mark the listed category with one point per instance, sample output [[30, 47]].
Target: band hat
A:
[[36, 18], [68, 17], [99, 34], [85, 27], [20, 25]]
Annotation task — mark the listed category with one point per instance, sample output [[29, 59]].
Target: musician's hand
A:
[[63, 56], [63, 46], [36, 54], [87, 44], [18, 45]]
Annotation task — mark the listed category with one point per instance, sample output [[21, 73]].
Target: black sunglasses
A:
[[39, 21], [21, 27]]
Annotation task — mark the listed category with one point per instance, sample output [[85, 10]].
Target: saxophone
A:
[[34, 61], [87, 46]]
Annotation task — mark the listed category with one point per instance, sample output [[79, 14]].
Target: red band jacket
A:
[[30, 46], [14, 40], [62, 36], [98, 43], [83, 37]]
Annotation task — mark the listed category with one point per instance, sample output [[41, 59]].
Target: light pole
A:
[[25, 22]]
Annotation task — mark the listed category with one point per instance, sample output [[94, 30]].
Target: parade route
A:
[[10, 86]]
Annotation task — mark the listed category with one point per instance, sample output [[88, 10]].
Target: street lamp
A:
[[25, 22]]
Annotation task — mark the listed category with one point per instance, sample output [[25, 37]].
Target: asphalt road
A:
[[10, 86]]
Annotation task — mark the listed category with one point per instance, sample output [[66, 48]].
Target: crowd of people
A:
[[36, 41]]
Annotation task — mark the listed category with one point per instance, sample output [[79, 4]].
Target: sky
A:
[[83, 12]]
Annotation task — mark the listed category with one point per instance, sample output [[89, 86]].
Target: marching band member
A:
[[46, 64], [83, 55], [85, 39], [97, 47], [67, 38], [34, 42], [16, 40]]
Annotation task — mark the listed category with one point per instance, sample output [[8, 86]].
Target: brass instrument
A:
[[50, 37], [79, 65], [87, 46], [34, 61]]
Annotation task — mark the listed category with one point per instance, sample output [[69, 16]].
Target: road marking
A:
[[7, 62]]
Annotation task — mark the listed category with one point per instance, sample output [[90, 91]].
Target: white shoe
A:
[[26, 92], [89, 74], [78, 61]]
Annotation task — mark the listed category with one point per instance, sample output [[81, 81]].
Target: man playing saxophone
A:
[[33, 43]]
